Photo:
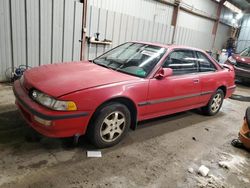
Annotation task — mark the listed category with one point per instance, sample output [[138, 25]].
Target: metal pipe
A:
[[83, 37]]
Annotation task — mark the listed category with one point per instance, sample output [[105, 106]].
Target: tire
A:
[[214, 104], [109, 125]]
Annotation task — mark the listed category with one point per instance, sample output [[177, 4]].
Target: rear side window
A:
[[205, 63], [182, 62]]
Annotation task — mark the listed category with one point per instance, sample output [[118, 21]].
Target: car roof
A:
[[170, 46]]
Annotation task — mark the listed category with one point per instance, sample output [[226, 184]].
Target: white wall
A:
[[138, 18], [193, 30], [207, 6], [223, 33], [191, 21], [147, 9], [31, 33], [120, 27], [38, 39]]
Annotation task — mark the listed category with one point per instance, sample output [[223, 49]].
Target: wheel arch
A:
[[123, 100], [224, 89]]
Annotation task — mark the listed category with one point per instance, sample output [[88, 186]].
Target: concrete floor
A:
[[158, 154]]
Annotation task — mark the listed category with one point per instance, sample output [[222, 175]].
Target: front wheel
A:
[[110, 125], [214, 104]]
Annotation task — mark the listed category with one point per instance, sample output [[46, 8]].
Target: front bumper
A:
[[242, 73], [63, 124]]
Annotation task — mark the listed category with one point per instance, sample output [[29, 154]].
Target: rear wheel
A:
[[110, 125], [214, 104]]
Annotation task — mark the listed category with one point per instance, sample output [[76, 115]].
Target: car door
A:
[[207, 75], [178, 92]]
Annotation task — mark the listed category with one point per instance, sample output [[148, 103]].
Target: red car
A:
[[241, 64], [105, 97]]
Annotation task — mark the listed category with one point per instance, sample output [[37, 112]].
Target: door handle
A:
[[196, 81]]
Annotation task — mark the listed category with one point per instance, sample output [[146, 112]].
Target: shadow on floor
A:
[[14, 131], [238, 97]]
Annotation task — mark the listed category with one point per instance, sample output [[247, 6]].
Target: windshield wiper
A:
[[103, 65]]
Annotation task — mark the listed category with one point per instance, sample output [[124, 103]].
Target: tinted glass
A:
[[132, 58], [182, 62], [205, 64]]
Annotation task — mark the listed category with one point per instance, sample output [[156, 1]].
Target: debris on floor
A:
[[223, 164], [194, 138], [203, 170], [94, 154], [191, 170], [210, 181], [232, 162], [152, 151], [244, 179]]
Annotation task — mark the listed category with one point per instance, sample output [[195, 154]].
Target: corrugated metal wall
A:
[[146, 9], [120, 27], [207, 7], [122, 21], [5, 38], [223, 33], [244, 37], [36, 32], [226, 15], [196, 32]]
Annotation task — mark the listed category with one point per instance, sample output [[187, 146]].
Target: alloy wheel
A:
[[112, 126], [216, 102]]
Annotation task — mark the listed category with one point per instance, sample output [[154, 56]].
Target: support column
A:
[[84, 21], [216, 23], [175, 18]]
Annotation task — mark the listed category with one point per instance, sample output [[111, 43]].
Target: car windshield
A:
[[245, 53], [132, 58]]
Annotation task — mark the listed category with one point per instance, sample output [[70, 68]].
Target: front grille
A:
[[243, 65]]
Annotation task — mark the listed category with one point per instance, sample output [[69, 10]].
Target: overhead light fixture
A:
[[232, 7]]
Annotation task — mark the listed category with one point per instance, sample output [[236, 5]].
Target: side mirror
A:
[[163, 73]]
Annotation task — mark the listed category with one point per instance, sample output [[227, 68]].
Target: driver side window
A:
[[182, 62]]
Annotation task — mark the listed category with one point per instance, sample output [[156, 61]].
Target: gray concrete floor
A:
[[157, 154]]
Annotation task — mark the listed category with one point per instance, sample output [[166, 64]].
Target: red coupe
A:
[[105, 97]]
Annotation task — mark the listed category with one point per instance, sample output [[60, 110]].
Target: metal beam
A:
[[84, 21], [175, 17], [215, 27], [216, 23], [197, 14]]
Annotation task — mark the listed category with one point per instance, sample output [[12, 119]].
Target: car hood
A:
[[239, 58], [63, 78]]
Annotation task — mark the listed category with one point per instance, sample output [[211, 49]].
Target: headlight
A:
[[232, 60], [52, 103]]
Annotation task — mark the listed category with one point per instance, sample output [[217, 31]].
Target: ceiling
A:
[[242, 4]]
